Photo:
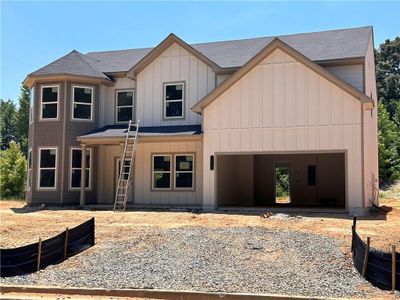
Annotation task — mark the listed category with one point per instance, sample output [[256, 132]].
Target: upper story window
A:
[[82, 103], [31, 101], [47, 168], [49, 102], [174, 100], [124, 106]]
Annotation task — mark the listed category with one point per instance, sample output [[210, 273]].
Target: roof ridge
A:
[[54, 61]]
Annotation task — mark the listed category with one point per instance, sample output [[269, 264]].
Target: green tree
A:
[[388, 74], [7, 123], [388, 146], [12, 171], [22, 119]]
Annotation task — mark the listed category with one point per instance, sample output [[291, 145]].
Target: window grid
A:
[[183, 172], [161, 172], [173, 172], [40, 168], [175, 100], [48, 102], [122, 106], [77, 102]]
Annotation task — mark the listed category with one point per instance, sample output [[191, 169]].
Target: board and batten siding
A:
[[141, 192], [108, 99], [143, 174], [175, 64], [281, 106]]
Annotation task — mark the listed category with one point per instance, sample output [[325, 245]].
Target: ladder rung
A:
[[120, 195]]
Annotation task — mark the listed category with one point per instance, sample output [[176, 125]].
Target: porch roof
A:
[[118, 132]]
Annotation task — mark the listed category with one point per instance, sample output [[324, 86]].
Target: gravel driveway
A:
[[234, 259]]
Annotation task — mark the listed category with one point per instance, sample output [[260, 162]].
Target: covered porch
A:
[[109, 141]]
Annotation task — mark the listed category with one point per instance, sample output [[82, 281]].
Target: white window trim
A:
[[166, 172], [123, 106], [82, 103], [29, 174], [31, 104], [53, 102], [55, 169], [176, 172], [178, 100], [70, 169]]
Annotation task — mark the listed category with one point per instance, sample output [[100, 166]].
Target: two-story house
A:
[[218, 121]]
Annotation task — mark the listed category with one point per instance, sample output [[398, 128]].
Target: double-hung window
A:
[[47, 168], [49, 102], [162, 172], [76, 168], [184, 168], [31, 101], [174, 100], [29, 177], [124, 106], [175, 171], [82, 104]]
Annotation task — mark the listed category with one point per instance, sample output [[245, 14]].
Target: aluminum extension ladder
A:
[[126, 169]]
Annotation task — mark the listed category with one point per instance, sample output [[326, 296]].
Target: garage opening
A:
[[282, 180]]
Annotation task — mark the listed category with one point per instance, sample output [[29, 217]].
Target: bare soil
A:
[[21, 226]]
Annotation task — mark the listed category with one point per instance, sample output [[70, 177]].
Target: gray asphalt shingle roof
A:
[[120, 131], [317, 46], [74, 63]]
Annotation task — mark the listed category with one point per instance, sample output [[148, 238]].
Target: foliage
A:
[[388, 74], [22, 119], [282, 182], [388, 85], [7, 123], [388, 146], [12, 171], [14, 122]]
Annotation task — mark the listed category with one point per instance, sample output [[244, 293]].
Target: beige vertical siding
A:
[[282, 106], [143, 193], [352, 74], [107, 100], [370, 132], [174, 64]]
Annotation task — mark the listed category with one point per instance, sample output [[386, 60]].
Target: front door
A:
[[117, 170]]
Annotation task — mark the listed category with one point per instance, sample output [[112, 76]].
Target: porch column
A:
[[83, 175]]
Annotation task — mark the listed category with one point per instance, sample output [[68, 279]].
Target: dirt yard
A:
[[21, 225]]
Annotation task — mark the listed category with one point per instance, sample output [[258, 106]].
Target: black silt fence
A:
[[31, 258], [377, 266]]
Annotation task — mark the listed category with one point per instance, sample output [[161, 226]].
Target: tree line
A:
[[14, 124]]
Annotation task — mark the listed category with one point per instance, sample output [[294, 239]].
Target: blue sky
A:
[[35, 33]]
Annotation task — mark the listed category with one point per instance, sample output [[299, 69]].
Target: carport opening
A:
[[282, 183], [289, 180]]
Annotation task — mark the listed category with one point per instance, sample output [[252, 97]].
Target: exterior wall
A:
[[62, 134], [174, 64], [352, 74], [143, 184], [370, 131], [281, 106], [108, 99], [142, 192], [221, 78]]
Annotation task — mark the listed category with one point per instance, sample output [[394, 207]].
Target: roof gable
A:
[[157, 51], [267, 50]]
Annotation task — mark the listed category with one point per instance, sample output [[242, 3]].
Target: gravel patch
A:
[[235, 259]]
